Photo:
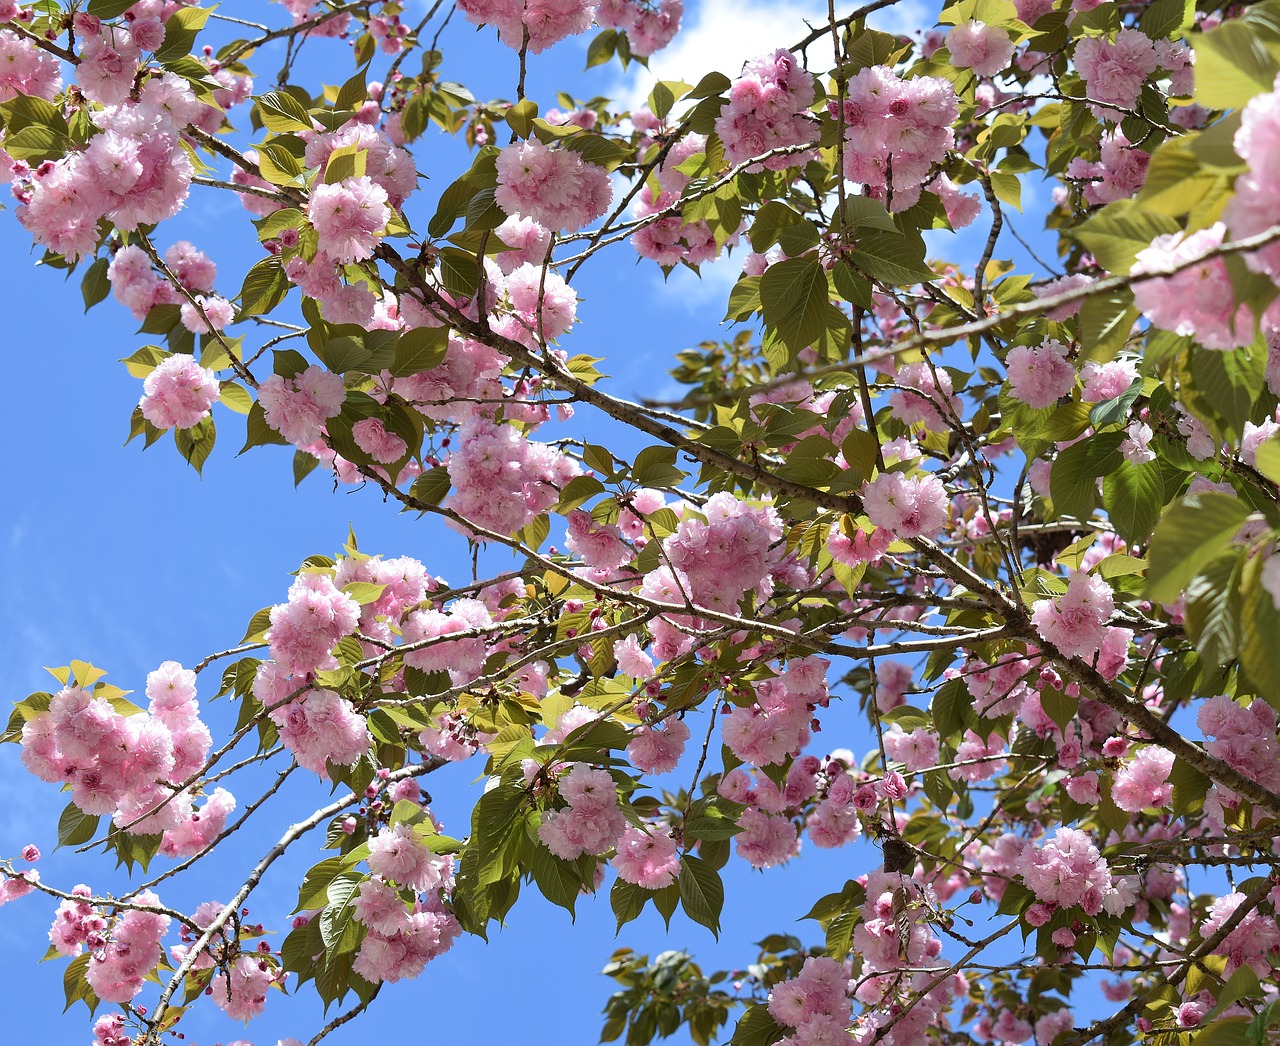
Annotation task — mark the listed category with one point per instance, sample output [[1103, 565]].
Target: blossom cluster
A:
[[591, 822], [133, 172], [896, 130], [134, 767], [769, 109]]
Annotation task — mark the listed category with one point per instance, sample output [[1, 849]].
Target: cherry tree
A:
[[1017, 502]]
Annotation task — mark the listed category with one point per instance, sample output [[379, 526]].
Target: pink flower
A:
[[298, 407], [1076, 621], [1067, 872], [348, 216], [896, 131], [546, 22], [178, 393], [373, 438], [768, 109], [1143, 782], [632, 660], [1106, 381], [765, 840], [985, 49], [1114, 71], [554, 187], [399, 853], [649, 860], [1040, 376], [1198, 301], [908, 508], [657, 750]]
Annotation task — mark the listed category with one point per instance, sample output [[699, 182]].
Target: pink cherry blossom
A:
[[179, 393]]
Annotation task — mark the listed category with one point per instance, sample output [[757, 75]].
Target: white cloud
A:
[[723, 35], [904, 18]]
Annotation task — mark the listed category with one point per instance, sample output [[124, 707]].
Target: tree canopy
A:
[[1005, 482]]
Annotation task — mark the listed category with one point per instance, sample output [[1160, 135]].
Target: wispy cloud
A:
[[722, 35]]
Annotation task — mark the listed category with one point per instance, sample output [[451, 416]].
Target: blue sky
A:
[[126, 559]]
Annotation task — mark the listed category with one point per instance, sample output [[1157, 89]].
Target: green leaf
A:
[[1223, 1031], [1008, 188], [520, 117], [282, 113], [1192, 532], [892, 258], [1260, 636], [347, 161], [1119, 231], [1267, 459], [1233, 63], [277, 164], [656, 467], [664, 95], [420, 349], [35, 144], [75, 986], [1133, 496], [863, 212], [431, 487], [1061, 707], [1072, 478], [258, 432], [701, 892], [314, 891], [559, 881], [265, 286], [793, 295], [339, 929], [1105, 323], [627, 901], [952, 707], [769, 222], [196, 443], [1168, 18], [602, 48], [458, 269], [109, 9], [95, 286], [757, 1028], [1213, 610], [1177, 182], [1113, 411], [180, 33], [353, 93], [75, 826], [712, 84], [1230, 382]]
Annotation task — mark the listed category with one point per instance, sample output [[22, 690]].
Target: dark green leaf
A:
[[75, 826], [1191, 533], [701, 892]]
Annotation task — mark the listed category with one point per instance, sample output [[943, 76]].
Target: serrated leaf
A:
[[1192, 532], [1260, 633], [701, 892], [95, 286], [757, 1028], [793, 296], [1072, 479], [75, 826], [627, 901], [265, 286], [282, 113], [180, 32], [1133, 496], [1119, 231]]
